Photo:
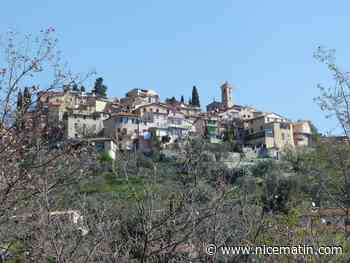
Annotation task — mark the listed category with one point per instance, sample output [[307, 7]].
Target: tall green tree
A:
[[19, 121], [195, 97], [100, 89], [19, 101], [75, 87], [27, 98], [171, 100]]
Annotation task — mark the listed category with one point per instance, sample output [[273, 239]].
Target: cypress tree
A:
[[19, 101], [195, 97], [27, 98], [19, 113], [182, 100]]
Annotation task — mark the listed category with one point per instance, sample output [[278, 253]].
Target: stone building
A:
[[69, 99], [105, 145], [207, 125], [80, 124], [268, 131], [302, 133], [131, 119], [125, 128], [138, 97], [226, 99], [226, 95], [79, 113]]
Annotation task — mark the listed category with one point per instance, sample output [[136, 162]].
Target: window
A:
[[100, 146], [157, 110], [151, 110], [144, 110], [261, 128]]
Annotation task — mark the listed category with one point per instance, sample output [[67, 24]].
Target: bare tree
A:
[[31, 173], [336, 99]]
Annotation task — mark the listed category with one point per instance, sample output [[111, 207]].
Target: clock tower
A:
[[226, 95]]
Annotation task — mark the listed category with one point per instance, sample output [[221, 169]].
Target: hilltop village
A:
[[139, 118]]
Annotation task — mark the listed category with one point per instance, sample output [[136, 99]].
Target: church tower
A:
[[226, 95]]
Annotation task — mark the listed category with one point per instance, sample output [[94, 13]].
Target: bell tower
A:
[[226, 95]]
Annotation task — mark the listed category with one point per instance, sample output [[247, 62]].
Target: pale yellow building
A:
[[269, 131]]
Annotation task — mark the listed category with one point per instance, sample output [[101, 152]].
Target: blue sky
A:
[[264, 48]]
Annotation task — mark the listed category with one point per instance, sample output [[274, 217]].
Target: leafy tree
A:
[[171, 100], [277, 194], [75, 87], [324, 170], [99, 88], [229, 135]]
